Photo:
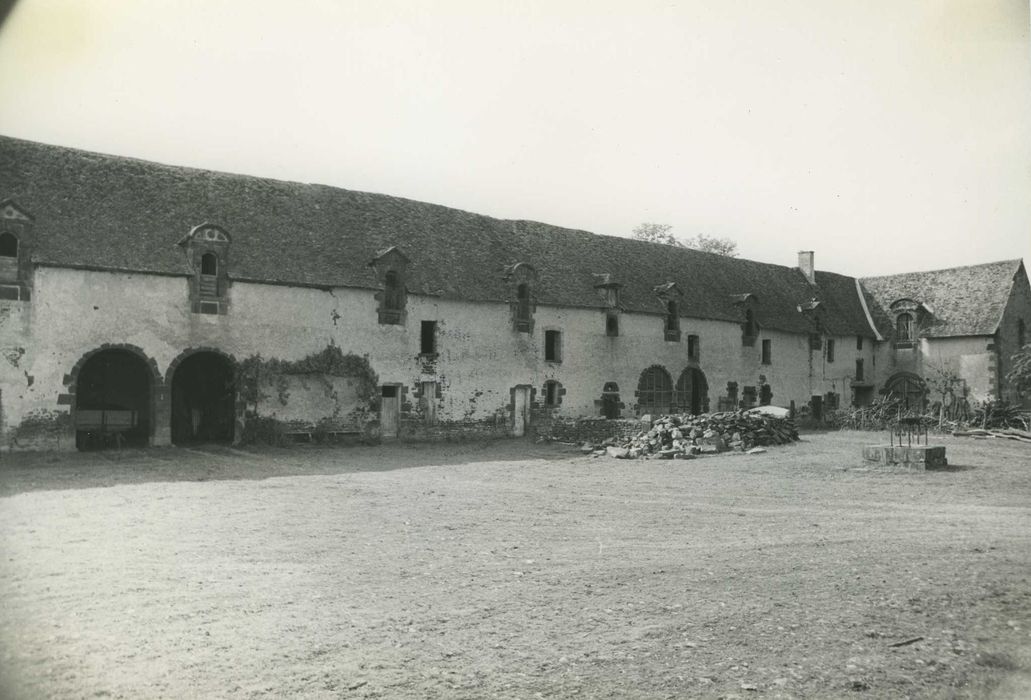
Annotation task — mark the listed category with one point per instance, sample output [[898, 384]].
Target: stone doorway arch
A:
[[114, 391], [202, 382]]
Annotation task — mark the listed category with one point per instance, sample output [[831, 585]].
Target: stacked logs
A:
[[686, 436]]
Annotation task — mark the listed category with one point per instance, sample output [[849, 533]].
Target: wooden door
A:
[[390, 410], [520, 410]]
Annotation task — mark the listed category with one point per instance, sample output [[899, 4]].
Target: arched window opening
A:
[[655, 391], [8, 245], [209, 264], [904, 328]]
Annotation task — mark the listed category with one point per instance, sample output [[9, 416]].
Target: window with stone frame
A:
[[694, 348], [552, 393], [552, 346], [671, 327], [612, 323]]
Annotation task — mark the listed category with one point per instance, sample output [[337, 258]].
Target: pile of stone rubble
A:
[[686, 436]]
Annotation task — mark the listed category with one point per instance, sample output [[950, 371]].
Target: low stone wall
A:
[[593, 430], [489, 429]]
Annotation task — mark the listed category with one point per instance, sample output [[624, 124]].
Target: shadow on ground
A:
[[42, 471]]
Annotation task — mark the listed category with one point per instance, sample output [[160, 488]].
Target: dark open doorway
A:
[[692, 391], [203, 399], [113, 401]]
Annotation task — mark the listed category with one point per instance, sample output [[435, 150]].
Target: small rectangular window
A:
[[693, 351], [428, 338], [767, 352], [830, 350], [9, 291], [859, 370], [551, 393], [552, 346], [859, 342], [389, 391], [209, 307], [612, 324]]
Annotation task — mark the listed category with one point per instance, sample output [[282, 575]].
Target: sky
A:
[[885, 135]]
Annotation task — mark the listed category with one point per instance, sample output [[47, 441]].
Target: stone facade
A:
[[125, 318]]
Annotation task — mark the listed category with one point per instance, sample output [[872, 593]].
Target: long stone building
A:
[[135, 298]]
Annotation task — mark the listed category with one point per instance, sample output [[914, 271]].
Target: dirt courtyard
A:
[[514, 570]]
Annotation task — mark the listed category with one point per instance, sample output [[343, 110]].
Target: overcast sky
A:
[[886, 135]]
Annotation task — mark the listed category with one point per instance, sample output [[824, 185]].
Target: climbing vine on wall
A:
[[256, 372]]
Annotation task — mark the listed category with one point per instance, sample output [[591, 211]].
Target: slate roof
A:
[[963, 301], [110, 212]]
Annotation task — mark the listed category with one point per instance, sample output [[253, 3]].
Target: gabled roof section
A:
[[962, 301], [109, 212]]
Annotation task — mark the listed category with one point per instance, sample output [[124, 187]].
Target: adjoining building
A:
[[133, 295]]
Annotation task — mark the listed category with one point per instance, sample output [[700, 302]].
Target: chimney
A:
[[805, 264]]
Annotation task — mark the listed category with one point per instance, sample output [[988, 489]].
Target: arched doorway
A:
[[113, 400], [692, 391], [907, 388], [203, 398], [654, 391]]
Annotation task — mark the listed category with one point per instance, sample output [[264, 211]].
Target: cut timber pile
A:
[[1008, 433], [685, 436]]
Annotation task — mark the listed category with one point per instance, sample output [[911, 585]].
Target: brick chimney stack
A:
[[805, 264]]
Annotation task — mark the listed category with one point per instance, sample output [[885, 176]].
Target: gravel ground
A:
[[515, 570]]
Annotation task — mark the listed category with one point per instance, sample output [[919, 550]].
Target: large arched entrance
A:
[[113, 400], [907, 388], [692, 391], [654, 391], [203, 398]]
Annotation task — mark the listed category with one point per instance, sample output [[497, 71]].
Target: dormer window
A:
[[392, 268], [522, 302], [15, 245], [672, 327], [747, 303], [207, 249]]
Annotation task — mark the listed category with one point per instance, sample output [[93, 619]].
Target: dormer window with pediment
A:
[[748, 303], [207, 253], [669, 295], [609, 291], [908, 316], [523, 304], [391, 267], [15, 264]]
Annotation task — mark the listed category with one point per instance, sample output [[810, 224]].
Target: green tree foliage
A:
[[662, 233]]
